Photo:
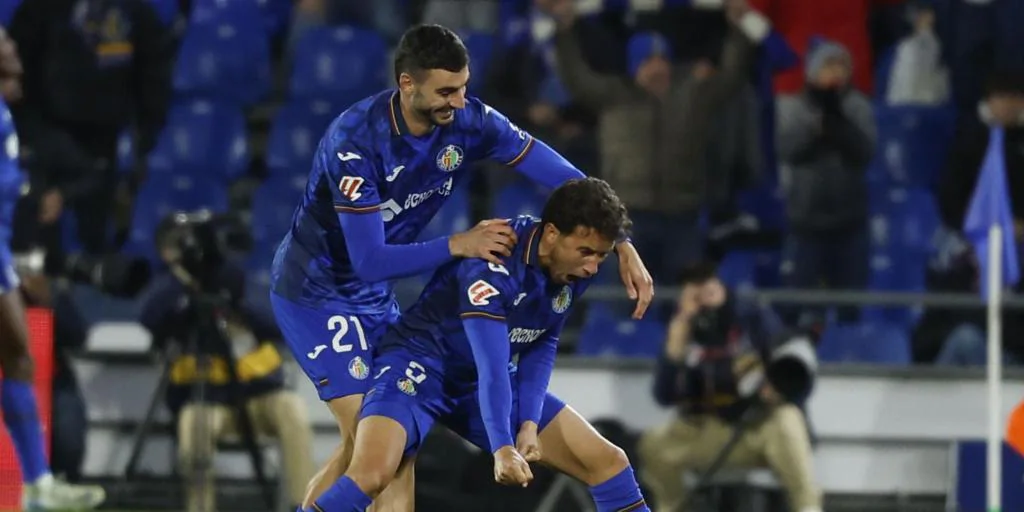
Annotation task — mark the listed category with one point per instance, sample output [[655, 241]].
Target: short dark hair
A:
[[425, 47], [589, 203], [698, 273]]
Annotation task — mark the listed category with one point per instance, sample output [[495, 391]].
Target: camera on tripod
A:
[[198, 245]]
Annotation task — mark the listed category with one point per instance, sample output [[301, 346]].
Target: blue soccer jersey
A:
[[11, 182], [367, 162], [427, 368]]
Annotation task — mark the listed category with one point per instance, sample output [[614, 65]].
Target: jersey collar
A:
[[398, 126], [530, 256]]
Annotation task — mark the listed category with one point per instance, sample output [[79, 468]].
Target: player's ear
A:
[[405, 82], [551, 232]]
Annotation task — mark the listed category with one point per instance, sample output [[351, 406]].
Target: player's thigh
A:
[[332, 346], [13, 331], [571, 445]]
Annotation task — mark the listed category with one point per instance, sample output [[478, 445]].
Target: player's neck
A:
[[543, 254], [417, 126]]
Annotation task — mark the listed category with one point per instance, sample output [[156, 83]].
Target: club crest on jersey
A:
[[449, 158], [479, 293], [358, 368], [562, 301], [406, 386]]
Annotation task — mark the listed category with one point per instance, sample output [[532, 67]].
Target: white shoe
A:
[[49, 493]]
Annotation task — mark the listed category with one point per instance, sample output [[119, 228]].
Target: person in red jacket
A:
[[845, 22]]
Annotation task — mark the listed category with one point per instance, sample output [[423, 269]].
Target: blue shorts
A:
[[333, 346], [409, 390]]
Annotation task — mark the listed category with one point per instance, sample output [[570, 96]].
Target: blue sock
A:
[[21, 414], [343, 496], [619, 493]]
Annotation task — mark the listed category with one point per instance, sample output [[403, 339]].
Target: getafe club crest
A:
[[562, 301], [406, 386], [358, 368], [449, 158]]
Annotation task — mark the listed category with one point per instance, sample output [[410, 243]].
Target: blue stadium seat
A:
[[865, 343], [907, 140], [245, 14], [166, 10], [481, 48], [163, 194], [224, 58], [273, 205], [738, 269], [202, 138], [519, 198], [605, 333], [276, 15], [7, 9], [341, 65], [453, 217], [294, 135]]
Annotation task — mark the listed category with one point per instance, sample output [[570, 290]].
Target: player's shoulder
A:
[[524, 226], [476, 114], [364, 125]]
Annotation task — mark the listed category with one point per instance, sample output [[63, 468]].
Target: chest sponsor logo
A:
[[391, 208], [524, 335]]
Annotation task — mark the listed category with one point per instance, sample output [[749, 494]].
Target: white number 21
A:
[[339, 325]]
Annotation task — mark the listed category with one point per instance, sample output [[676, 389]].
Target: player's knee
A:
[[606, 462], [372, 478]]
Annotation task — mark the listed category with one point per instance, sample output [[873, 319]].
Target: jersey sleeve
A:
[[485, 289], [534, 374], [506, 143], [354, 182]]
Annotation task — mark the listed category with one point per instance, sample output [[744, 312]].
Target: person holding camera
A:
[[168, 312], [713, 369]]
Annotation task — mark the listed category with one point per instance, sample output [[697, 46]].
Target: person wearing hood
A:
[[825, 138], [655, 126]]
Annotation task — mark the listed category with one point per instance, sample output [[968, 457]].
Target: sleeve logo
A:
[[479, 293], [349, 187], [497, 268], [348, 155]]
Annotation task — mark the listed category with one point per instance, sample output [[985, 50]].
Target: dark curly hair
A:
[[590, 203], [425, 47]]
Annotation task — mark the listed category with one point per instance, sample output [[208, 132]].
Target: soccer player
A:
[[41, 490], [448, 360], [381, 172]]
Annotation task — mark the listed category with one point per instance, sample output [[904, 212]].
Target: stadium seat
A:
[[865, 343], [605, 333], [481, 48], [202, 138], [163, 194], [738, 269], [7, 9], [294, 135], [273, 205], [166, 10], [223, 57], [276, 15], [519, 198], [907, 140], [340, 65]]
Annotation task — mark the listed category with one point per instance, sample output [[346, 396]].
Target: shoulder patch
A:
[[349, 187], [480, 292]]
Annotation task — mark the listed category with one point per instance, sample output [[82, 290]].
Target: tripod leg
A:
[[142, 430]]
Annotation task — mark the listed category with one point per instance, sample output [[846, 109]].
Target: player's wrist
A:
[[528, 426], [503, 448]]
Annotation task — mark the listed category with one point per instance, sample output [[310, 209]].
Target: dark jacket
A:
[[165, 312], [707, 383]]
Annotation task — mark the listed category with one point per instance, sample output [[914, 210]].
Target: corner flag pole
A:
[[994, 475]]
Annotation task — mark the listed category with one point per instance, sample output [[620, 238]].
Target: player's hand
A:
[[510, 468], [490, 240], [527, 443], [635, 276]]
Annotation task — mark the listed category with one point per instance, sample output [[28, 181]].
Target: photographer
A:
[[167, 312], [713, 371]]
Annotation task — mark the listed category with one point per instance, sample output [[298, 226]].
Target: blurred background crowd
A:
[[764, 145]]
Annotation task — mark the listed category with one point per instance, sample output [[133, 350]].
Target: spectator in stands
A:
[[272, 409], [709, 370], [93, 68], [919, 76], [655, 125], [826, 138], [458, 15], [1002, 106]]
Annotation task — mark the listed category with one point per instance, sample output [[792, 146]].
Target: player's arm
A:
[[534, 375], [357, 203], [514, 147], [485, 289]]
